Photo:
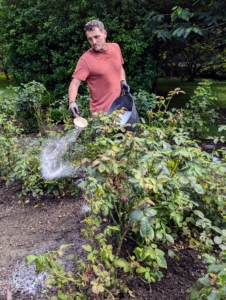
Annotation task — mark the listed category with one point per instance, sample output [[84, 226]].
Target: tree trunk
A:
[[6, 74], [4, 69]]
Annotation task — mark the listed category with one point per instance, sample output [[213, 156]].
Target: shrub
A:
[[144, 102], [28, 105]]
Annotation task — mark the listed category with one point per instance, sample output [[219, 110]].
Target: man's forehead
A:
[[93, 32]]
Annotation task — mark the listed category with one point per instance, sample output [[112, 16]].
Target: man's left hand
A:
[[125, 88]]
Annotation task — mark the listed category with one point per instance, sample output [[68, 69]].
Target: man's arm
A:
[[123, 74], [73, 89], [72, 94]]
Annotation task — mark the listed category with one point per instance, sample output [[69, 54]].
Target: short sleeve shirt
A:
[[102, 72]]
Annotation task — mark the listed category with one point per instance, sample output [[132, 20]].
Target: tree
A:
[[187, 30], [3, 52], [46, 38]]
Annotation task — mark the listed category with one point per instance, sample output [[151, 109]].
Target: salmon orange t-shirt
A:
[[102, 72]]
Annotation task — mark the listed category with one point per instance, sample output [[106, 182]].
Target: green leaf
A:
[[90, 256], [136, 215], [215, 268], [30, 258], [180, 32], [150, 212], [222, 274], [171, 253], [217, 229], [87, 247], [105, 210], [198, 188], [217, 240], [161, 261], [126, 269], [114, 228], [137, 175], [65, 246], [204, 280], [169, 238], [147, 275], [101, 168], [61, 295], [159, 235], [141, 270], [183, 180], [159, 252], [162, 179], [145, 228], [70, 256], [121, 262], [48, 281], [194, 295], [199, 213], [214, 295], [210, 259], [133, 180]]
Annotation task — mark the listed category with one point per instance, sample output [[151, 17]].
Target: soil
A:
[[35, 225]]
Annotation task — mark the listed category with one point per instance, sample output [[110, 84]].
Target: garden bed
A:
[[44, 223]]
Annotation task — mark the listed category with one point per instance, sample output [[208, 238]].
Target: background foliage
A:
[[46, 39], [42, 41]]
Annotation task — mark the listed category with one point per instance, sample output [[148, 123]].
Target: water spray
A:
[[54, 160]]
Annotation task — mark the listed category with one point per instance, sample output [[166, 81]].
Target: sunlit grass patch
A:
[[164, 85], [5, 84]]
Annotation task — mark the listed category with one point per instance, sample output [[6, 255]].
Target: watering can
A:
[[131, 116]]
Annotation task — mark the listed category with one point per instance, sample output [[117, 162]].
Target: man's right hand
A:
[[73, 108]]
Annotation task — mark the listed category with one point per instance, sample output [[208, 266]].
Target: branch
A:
[[213, 26]]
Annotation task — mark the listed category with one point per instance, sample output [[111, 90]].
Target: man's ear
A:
[[105, 33]]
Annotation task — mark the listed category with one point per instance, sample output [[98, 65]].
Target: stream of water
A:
[[52, 158]]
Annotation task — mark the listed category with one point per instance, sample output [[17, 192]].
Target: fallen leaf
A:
[[131, 294], [36, 205], [9, 295], [150, 202], [95, 163], [212, 278], [61, 253]]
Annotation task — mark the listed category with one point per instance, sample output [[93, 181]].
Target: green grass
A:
[[165, 85], [5, 88], [4, 84]]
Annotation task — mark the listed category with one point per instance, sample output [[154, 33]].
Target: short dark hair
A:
[[92, 24]]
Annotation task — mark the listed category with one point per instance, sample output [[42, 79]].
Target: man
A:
[[101, 67]]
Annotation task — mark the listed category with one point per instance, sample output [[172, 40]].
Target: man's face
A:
[[97, 39]]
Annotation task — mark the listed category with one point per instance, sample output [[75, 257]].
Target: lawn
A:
[[4, 84], [5, 87], [165, 85]]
